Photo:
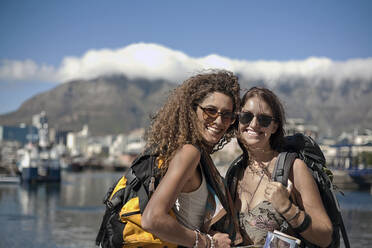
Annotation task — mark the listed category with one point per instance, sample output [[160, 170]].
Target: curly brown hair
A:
[[175, 124]]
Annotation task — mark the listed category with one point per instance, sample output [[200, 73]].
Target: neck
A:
[[260, 155]]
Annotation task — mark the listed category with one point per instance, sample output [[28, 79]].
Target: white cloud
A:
[[26, 70], [154, 61]]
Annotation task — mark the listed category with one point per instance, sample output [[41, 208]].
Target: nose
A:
[[254, 122], [219, 120]]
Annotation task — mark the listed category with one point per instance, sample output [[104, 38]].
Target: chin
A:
[[212, 141], [252, 142]]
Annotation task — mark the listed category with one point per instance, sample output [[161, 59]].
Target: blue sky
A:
[[49, 31]]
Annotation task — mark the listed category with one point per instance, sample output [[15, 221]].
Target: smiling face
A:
[[252, 133], [212, 130]]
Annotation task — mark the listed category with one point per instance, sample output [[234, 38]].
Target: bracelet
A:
[[207, 241], [304, 225], [296, 214], [287, 209], [196, 238], [212, 240]]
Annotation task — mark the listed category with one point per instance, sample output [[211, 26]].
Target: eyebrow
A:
[[222, 110]]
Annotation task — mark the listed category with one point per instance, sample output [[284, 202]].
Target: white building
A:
[[77, 142]]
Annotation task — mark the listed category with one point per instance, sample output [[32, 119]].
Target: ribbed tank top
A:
[[190, 207]]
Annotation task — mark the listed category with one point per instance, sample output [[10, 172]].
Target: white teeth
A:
[[214, 130], [252, 132]]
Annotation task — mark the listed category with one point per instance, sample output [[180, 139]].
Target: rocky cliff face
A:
[[109, 105], [114, 104]]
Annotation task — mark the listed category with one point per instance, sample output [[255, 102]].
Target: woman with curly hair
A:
[[196, 120]]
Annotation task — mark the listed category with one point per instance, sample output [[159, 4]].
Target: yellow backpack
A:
[[125, 202]]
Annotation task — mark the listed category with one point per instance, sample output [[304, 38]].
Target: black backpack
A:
[[125, 202], [305, 148]]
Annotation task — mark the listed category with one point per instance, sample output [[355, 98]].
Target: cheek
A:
[[240, 128], [274, 128]]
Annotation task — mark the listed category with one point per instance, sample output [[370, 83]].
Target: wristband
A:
[[287, 209], [296, 214], [304, 225]]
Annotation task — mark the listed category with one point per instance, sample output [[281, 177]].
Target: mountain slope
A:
[[115, 104], [109, 105]]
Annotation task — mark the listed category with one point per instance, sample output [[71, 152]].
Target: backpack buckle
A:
[[135, 183], [280, 172], [133, 180]]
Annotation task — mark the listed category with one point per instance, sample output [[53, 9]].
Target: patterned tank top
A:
[[261, 219]]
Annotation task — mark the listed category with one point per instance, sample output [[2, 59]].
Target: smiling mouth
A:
[[252, 133], [214, 131]]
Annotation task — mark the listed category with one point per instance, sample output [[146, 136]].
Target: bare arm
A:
[[156, 218], [320, 230]]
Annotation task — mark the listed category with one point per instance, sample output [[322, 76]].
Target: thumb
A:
[[289, 187]]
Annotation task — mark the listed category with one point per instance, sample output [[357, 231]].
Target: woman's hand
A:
[[278, 195], [221, 240]]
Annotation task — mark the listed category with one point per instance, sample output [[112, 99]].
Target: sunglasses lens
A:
[[211, 112], [245, 117], [228, 117], [264, 120]]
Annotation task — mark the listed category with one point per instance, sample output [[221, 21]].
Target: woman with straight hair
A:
[[262, 204]]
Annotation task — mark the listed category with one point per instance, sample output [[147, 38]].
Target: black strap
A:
[[137, 186], [304, 225], [102, 228], [344, 233], [110, 205], [283, 166]]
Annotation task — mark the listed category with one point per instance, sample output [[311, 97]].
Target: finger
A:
[[274, 184], [290, 186]]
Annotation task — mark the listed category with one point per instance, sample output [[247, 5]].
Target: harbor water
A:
[[68, 214]]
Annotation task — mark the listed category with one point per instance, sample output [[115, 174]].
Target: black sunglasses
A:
[[210, 114], [263, 120]]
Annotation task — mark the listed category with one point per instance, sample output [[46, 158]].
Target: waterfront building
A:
[[298, 125], [77, 141], [22, 133]]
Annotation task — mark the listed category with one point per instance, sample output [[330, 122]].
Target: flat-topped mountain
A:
[[115, 104]]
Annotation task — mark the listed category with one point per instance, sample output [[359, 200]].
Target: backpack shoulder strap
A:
[[138, 186], [283, 166]]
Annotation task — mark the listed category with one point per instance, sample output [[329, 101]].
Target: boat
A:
[[38, 165], [40, 162]]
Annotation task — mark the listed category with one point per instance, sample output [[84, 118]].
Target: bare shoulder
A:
[[187, 155], [299, 166], [189, 151], [303, 179]]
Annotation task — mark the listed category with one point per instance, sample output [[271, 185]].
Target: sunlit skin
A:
[[256, 140], [212, 131], [253, 134], [183, 176]]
